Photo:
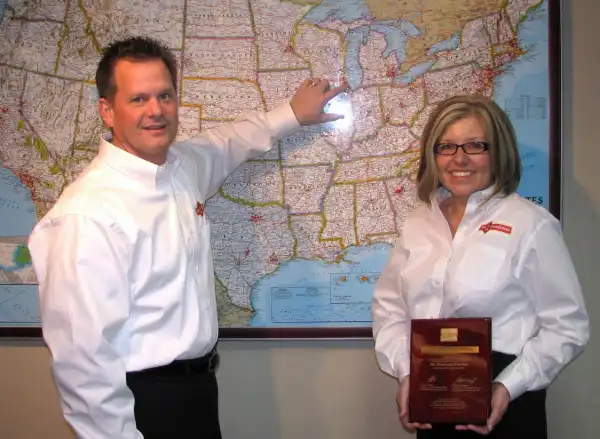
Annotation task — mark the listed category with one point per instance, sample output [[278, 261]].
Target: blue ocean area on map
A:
[[317, 293], [523, 94], [18, 303], [16, 207]]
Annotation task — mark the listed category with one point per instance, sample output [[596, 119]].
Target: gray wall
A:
[[332, 389]]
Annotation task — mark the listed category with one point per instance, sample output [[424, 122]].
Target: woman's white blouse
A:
[[506, 261]]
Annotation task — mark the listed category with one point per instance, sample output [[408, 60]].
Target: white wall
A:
[[332, 389], [574, 399]]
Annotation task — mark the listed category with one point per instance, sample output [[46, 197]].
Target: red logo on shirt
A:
[[495, 226], [199, 209]]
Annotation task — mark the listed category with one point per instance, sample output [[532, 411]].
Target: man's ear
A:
[[106, 112]]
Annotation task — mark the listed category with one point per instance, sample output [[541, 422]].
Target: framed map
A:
[[301, 233]]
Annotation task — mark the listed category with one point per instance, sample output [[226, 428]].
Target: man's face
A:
[[143, 113]]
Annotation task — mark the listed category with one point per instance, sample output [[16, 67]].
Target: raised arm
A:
[[549, 276], [81, 268], [221, 150], [391, 321]]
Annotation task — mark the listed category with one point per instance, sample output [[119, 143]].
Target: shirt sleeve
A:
[[550, 278], [219, 151], [81, 268], [391, 321]]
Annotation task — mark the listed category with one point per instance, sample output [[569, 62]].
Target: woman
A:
[[474, 248]]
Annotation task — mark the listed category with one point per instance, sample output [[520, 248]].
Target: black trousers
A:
[[179, 400], [525, 417]]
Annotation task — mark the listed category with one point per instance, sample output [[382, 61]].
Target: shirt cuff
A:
[[283, 121], [402, 366], [513, 381]]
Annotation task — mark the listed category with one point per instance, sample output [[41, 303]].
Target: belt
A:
[[195, 366]]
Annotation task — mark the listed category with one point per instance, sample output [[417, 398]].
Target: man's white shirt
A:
[[125, 271], [506, 261]]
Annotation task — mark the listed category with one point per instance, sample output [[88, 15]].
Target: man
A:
[[123, 259]]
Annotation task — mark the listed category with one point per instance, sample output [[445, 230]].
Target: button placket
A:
[[439, 271], [185, 215]]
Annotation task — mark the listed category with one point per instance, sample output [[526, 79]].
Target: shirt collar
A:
[[147, 173], [476, 199]]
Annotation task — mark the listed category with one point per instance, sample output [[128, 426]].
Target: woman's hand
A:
[[500, 401], [402, 403]]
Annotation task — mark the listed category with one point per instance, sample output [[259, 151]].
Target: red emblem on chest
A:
[[495, 226], [199, 209]]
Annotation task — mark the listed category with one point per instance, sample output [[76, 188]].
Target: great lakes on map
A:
[[300, 234]]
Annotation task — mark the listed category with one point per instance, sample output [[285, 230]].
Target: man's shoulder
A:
[[187, 151], [92, 196]]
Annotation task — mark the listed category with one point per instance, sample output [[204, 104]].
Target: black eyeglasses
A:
[[468, 148]]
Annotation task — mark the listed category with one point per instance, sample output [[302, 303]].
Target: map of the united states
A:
[[301, 233]]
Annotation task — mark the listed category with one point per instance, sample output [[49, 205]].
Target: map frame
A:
[[555, 133]]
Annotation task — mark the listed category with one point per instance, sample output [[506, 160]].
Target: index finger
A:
[[333, 92]]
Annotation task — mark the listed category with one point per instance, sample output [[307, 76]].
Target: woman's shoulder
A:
[[523, 217], [420, 212], [526, 210]]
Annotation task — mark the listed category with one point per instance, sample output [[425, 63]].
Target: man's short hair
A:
[[132, 49]]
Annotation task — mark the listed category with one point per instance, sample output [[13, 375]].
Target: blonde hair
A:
[[500, 134]]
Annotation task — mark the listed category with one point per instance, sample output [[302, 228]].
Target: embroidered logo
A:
[[495, 226], [199, 208]]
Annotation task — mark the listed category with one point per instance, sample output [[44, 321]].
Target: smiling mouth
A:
[[155, 127], [461, 173]]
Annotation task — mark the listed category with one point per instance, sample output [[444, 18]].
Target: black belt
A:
[[195, 366]]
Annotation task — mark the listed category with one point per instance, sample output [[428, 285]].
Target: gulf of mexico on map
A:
[[301, 233]]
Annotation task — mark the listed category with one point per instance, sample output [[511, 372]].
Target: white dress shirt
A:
[[506, 261], [125, 271]]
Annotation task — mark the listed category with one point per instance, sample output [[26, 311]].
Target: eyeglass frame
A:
[[486, 147]]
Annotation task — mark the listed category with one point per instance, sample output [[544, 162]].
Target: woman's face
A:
[[460, 173]]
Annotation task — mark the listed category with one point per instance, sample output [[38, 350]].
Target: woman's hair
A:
[[500, 134]]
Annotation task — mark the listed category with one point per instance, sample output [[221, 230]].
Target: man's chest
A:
[[169, 224]]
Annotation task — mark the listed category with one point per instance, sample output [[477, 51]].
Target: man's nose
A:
[[154, 108]]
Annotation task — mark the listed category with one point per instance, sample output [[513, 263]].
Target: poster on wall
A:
[[300, 234]]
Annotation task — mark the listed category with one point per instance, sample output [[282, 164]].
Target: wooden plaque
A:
[[450, 371]]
